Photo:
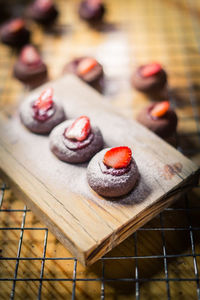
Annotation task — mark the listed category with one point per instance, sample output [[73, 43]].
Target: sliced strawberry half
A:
[[45, 100], [16, 25], [86, 65], [150, 69], [79, 129], [118, 157], [160, 109], [29, 55]]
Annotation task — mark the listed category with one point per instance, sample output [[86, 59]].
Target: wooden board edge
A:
[[122, 233], [87, 258]]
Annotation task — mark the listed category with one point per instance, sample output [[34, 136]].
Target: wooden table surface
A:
[[135, 32]]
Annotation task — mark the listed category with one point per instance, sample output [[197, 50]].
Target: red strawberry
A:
[[16, 25], [86, 65], [79, 129], [29, 55], [150, 69], [160, 109], [118, 157], [45, 100]]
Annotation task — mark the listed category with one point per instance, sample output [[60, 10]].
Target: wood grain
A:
[[88, 225]]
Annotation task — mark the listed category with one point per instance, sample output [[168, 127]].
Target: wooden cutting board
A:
[[87, 224]]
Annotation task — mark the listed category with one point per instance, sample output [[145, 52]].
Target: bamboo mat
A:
[[161, 260]]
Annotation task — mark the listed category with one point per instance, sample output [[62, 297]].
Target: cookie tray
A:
[[58, 193]]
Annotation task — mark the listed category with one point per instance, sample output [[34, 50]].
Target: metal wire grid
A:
[[137, 279]]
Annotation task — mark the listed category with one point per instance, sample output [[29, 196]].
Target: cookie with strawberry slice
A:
[[76, 141], [30, 68], [159, 118], [113, 172], [42, 112], [43, 11], [92, 11], [150, 78], [15, 33], [88, 69]]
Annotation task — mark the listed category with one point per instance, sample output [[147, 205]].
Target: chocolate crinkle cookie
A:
[[76, 141], [14, 33], [29, 68], [42, 113], [113, 172], [92, 11], [159, 118], [88, 69], [43, 11], [150, 78]]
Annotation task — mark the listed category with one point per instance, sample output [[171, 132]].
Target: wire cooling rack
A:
[[136, 282], [162, 259]]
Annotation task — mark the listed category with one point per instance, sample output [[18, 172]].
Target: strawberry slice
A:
[[16, 25], [86, 65], [150, 69], [45, 100], [160, 109], [29, 55], [79, 129], [118, 157]]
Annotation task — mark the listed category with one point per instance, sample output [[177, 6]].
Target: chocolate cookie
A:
[[76, 141], [29, 68], [43, 11], [42, 114], [150, 78], [159, 118], [113, 172], [14, 33], [87, 69], [91, 11]]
